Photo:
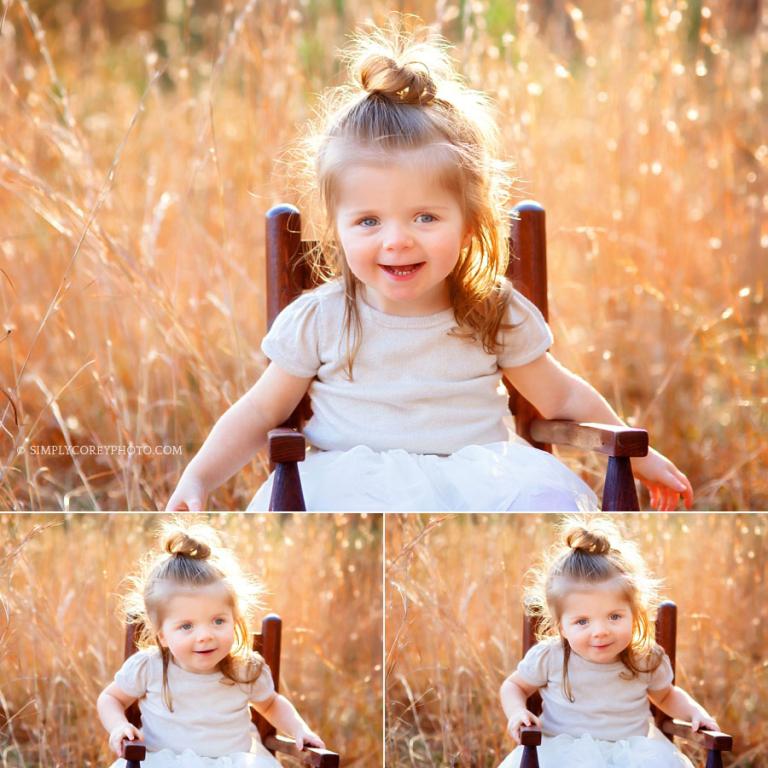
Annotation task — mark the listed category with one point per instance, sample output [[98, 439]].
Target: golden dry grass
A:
[[137, 161], [454, 620], [61, 641]]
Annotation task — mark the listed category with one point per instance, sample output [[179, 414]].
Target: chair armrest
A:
[[530, 736], [312, 756], [603, 438], [722, 742], [286, 445], [134, 750]]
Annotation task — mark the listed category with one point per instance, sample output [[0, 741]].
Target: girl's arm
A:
[[111, 706], [514, 694], [283, 715], [557, 393], [677, 703], [237, 436]]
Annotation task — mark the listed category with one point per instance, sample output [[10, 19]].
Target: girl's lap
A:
[[499, 476], [586, 752], [167, 759]]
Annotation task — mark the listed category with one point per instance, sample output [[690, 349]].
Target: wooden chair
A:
[[714, 742], [288, 275], [267, 643]]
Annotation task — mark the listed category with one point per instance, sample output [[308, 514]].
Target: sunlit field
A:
[[454, 626], [61, 640], [138, 149]]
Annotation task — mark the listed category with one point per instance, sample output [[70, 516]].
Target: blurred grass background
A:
[[61, 640], [137, 149], [454, 626]]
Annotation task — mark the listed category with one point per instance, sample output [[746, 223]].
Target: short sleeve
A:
[[293, 340], [133, 676], [534, 666], [662, 676], [262, 687], [528, 338]]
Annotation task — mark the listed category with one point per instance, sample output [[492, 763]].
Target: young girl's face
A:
[[597, 622], [198, 628], [401, 234]]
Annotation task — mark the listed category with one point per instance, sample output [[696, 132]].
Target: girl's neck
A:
[[437, 304]]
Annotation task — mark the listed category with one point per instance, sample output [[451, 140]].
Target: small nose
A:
[[396, 237], [599, 629]]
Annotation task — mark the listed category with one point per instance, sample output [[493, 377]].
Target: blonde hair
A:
[[191, 556], [404, 97], [591, 552]]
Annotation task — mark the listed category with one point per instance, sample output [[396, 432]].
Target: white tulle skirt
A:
[[258, 757], [585, 752], [499, 477]]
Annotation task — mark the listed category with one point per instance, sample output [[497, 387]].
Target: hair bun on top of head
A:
[[188, 543], [409, 83], [584, 540]]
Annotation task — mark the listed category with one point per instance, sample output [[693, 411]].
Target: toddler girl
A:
[[403, 348], [597, 664], [195, 675]]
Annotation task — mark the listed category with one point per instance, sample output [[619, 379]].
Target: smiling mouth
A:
[[210, 650], [402, 270]]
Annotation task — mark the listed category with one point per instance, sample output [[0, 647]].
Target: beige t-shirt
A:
[[606, 705], [210, 716], [416, 386]]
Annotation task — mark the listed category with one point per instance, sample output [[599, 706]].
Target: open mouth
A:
[[402, 270]]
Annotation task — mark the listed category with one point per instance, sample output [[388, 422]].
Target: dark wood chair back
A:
[[288, 275], [267, 643], [666, 637]]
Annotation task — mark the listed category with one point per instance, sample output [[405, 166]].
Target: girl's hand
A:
[[700, 718], [664, 480], [124, 732], [306, 738], [189, 496], [518, 719]]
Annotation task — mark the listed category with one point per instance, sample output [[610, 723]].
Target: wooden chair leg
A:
[[714, 759], [134, 752], [530, 758], [287, 495], [619, 494]]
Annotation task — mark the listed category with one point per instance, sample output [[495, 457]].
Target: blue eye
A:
[[428, 216], [615, 616], [187, 625], [368, 218], [581, 622], [219, 622]]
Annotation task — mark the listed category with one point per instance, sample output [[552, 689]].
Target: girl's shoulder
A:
[[311, 305], [137, 671], [540, 661], [304, 327], [518, 309], [144, 657], [252, 673], [656, 666], [524, 334]]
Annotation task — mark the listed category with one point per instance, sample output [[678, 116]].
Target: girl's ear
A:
[[161, 640]]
